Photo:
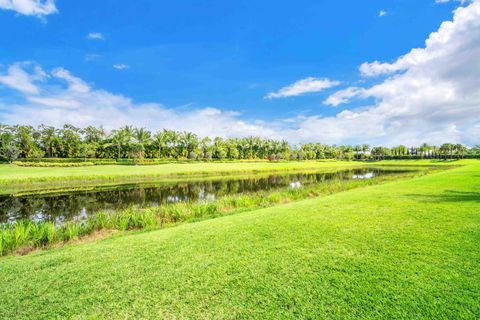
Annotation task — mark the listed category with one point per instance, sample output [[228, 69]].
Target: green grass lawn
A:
[[406, 249], [15, 179], [10, 174]]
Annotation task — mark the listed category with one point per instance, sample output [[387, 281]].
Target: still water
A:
[[78, 204]]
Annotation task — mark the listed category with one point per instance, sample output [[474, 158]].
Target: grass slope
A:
[[406, 249]]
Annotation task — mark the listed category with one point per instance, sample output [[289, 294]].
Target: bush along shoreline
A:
[[24, 236]]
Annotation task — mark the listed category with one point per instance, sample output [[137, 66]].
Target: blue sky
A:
[[217, 59]]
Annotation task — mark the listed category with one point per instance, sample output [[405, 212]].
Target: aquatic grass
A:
[[7, 242], [27, 234], [275, 197], [43, 233], [72, 231], [21, 230], [133, 218], [100, 221], [205, 209]]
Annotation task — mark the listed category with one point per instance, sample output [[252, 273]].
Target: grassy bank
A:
[[11, 174], [405, 249], [14, 179], [24, 236]]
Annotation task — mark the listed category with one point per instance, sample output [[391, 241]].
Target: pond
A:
[[66, 206]]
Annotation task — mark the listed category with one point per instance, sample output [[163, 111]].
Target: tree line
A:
[[128, 142]]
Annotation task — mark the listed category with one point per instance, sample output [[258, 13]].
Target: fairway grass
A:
[[10, 174], [14, 179], [406, 249]]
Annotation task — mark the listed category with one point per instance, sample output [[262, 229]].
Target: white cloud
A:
[[303, 86], [73, 101], [431, 94], [94, 35], [382, 13], [38, 8], [74, 84], [18, 79], [440, 44], [462, 2], [343, 96], [121, 66]]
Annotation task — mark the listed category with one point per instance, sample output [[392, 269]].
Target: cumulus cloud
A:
[[343, 96], [303, 86], [94, 35], [38, 8], [61, 98], [74, 84], [17, 78], [431, 93]]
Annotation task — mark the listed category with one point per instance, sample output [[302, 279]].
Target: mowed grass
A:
[[13, 173], [16, 179], [407, 249]]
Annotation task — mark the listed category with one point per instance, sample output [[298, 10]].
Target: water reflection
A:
[[295, 185], [75, 205], [368, 175]]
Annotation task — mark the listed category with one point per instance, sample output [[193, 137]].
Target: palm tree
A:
[[380, 152], [424, 149], [172, 142], [460, 149], [4, 128], [446, 149], [219, 148], [188, 143], [120, 139], [161, 140], [243, 146], [476, 150], [49, 139], [233, 147], [435, 151], [205, 146], [93, 134], [142, 136]]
